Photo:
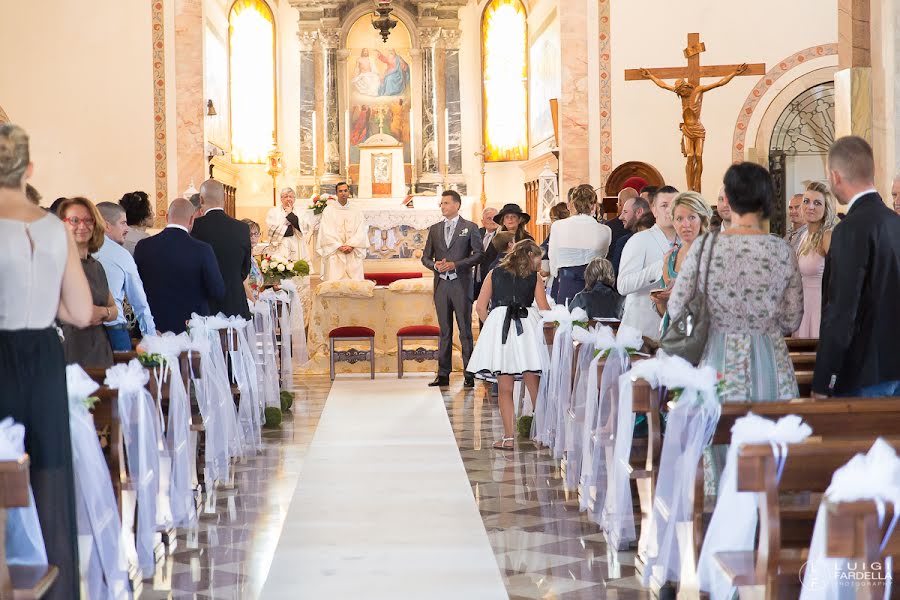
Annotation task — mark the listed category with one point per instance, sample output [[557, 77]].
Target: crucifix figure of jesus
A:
[[689, 89]]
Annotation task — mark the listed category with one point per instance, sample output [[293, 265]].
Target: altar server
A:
[[342, 238]]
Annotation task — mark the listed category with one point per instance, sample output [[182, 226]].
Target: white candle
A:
[[315, 161], [412, 140], [347, 142], [447, 137]]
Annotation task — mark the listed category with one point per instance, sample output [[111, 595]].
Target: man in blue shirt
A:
[[123, 278]]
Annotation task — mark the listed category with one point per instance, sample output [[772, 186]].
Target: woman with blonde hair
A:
[[510, 344], [820, 212], [89, 346], [691, 216]]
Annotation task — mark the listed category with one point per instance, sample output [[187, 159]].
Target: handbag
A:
[[687, 334]]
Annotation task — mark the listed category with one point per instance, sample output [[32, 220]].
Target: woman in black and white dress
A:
[[39, 255], [510, 345]]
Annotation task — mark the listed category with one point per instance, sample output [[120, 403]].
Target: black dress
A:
[[89, 346], [33, 383]]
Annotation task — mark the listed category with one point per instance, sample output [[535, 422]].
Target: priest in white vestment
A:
[[343, 239], [640, 269], [286, 237]]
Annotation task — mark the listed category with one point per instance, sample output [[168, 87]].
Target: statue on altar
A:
[[343, 239]]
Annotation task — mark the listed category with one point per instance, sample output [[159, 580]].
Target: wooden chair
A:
[[352, 355], [772, 570], [416, 332], [19, 582]]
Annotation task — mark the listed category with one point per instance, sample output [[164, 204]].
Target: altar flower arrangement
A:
[[318, 203], [275, 268]]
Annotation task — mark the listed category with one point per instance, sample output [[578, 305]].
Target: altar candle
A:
[[315, 160], [347, 142], [412, 141], [447, 137]]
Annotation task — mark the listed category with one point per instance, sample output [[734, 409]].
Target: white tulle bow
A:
[[79, 385], [560, 314], [167, 344], [128, 377], [12, 439]]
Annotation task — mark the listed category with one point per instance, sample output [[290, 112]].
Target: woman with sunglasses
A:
[[89, 346]]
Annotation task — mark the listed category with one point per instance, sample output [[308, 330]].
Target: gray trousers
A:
[[453, 297]]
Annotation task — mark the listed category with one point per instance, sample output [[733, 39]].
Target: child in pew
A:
[[599, 299], [510, 344]]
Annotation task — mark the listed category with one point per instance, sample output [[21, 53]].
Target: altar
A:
[[398, 228]]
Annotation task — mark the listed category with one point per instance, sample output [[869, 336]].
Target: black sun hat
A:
[[511, 209]]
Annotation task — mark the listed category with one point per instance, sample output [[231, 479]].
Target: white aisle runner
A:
[[383, 508]]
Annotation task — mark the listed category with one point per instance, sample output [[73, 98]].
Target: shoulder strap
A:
[[712, 247], [699, 265]]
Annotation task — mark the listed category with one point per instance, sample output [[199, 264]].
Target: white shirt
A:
[[858, 196], [576, 241], [181, 227], [209, 210], [640, 270]]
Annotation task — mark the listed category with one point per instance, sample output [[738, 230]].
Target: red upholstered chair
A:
[[352, 355], [416, 332], [385, 279]]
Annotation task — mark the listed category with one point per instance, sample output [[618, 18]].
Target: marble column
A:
[[307, 99], [452, 99], [189, 103], [331, 143], [573, 105], [431, 155]]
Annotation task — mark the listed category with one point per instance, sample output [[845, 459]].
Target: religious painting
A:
[[403, 242], [504, 66], [544, 80], [379, 77]]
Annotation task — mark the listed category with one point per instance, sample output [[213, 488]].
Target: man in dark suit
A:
[[487, 231], [230, 240], [859, 342], [180, 274], [453, 247]]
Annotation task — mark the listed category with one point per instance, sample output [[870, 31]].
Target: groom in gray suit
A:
[[454, 246]]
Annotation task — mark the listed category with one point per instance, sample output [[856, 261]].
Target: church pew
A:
[[831, 418], [19, 582], [771, 571], [853, 533], [802, 344]]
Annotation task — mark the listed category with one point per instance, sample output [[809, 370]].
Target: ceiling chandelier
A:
[[384, 23]]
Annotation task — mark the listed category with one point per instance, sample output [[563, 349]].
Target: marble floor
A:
[[331, 508]]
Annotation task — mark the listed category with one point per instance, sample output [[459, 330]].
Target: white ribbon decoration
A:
[[144, 446], [871, 476], [689, 428], [24, 539], [297, 324], [618, 514], [553, 404], [244, 370], [733, 524], [178, 433], [214, 397], [104, 571], [264, 349]]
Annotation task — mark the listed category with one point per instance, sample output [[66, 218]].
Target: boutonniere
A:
[[464, 232]]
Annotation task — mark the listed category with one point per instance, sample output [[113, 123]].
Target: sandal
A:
[[502, 444]]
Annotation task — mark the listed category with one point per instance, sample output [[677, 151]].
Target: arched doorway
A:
[[799, 146], [626, 171]]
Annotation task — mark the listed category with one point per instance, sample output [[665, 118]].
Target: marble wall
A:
[[452, 99], [573, 105], [190, 105]]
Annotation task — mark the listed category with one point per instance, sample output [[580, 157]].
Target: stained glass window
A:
[[504, 65], [251, 38]]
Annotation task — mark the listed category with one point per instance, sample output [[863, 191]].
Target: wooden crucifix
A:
[[691, 93]]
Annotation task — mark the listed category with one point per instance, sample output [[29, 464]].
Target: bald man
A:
[[230, 240], [615, 224], [180, 274]]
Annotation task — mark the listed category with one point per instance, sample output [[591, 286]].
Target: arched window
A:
[[251, 42], [504, 65]]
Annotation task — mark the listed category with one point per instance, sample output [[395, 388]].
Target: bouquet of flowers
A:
[[275, 268], [319, 202]]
